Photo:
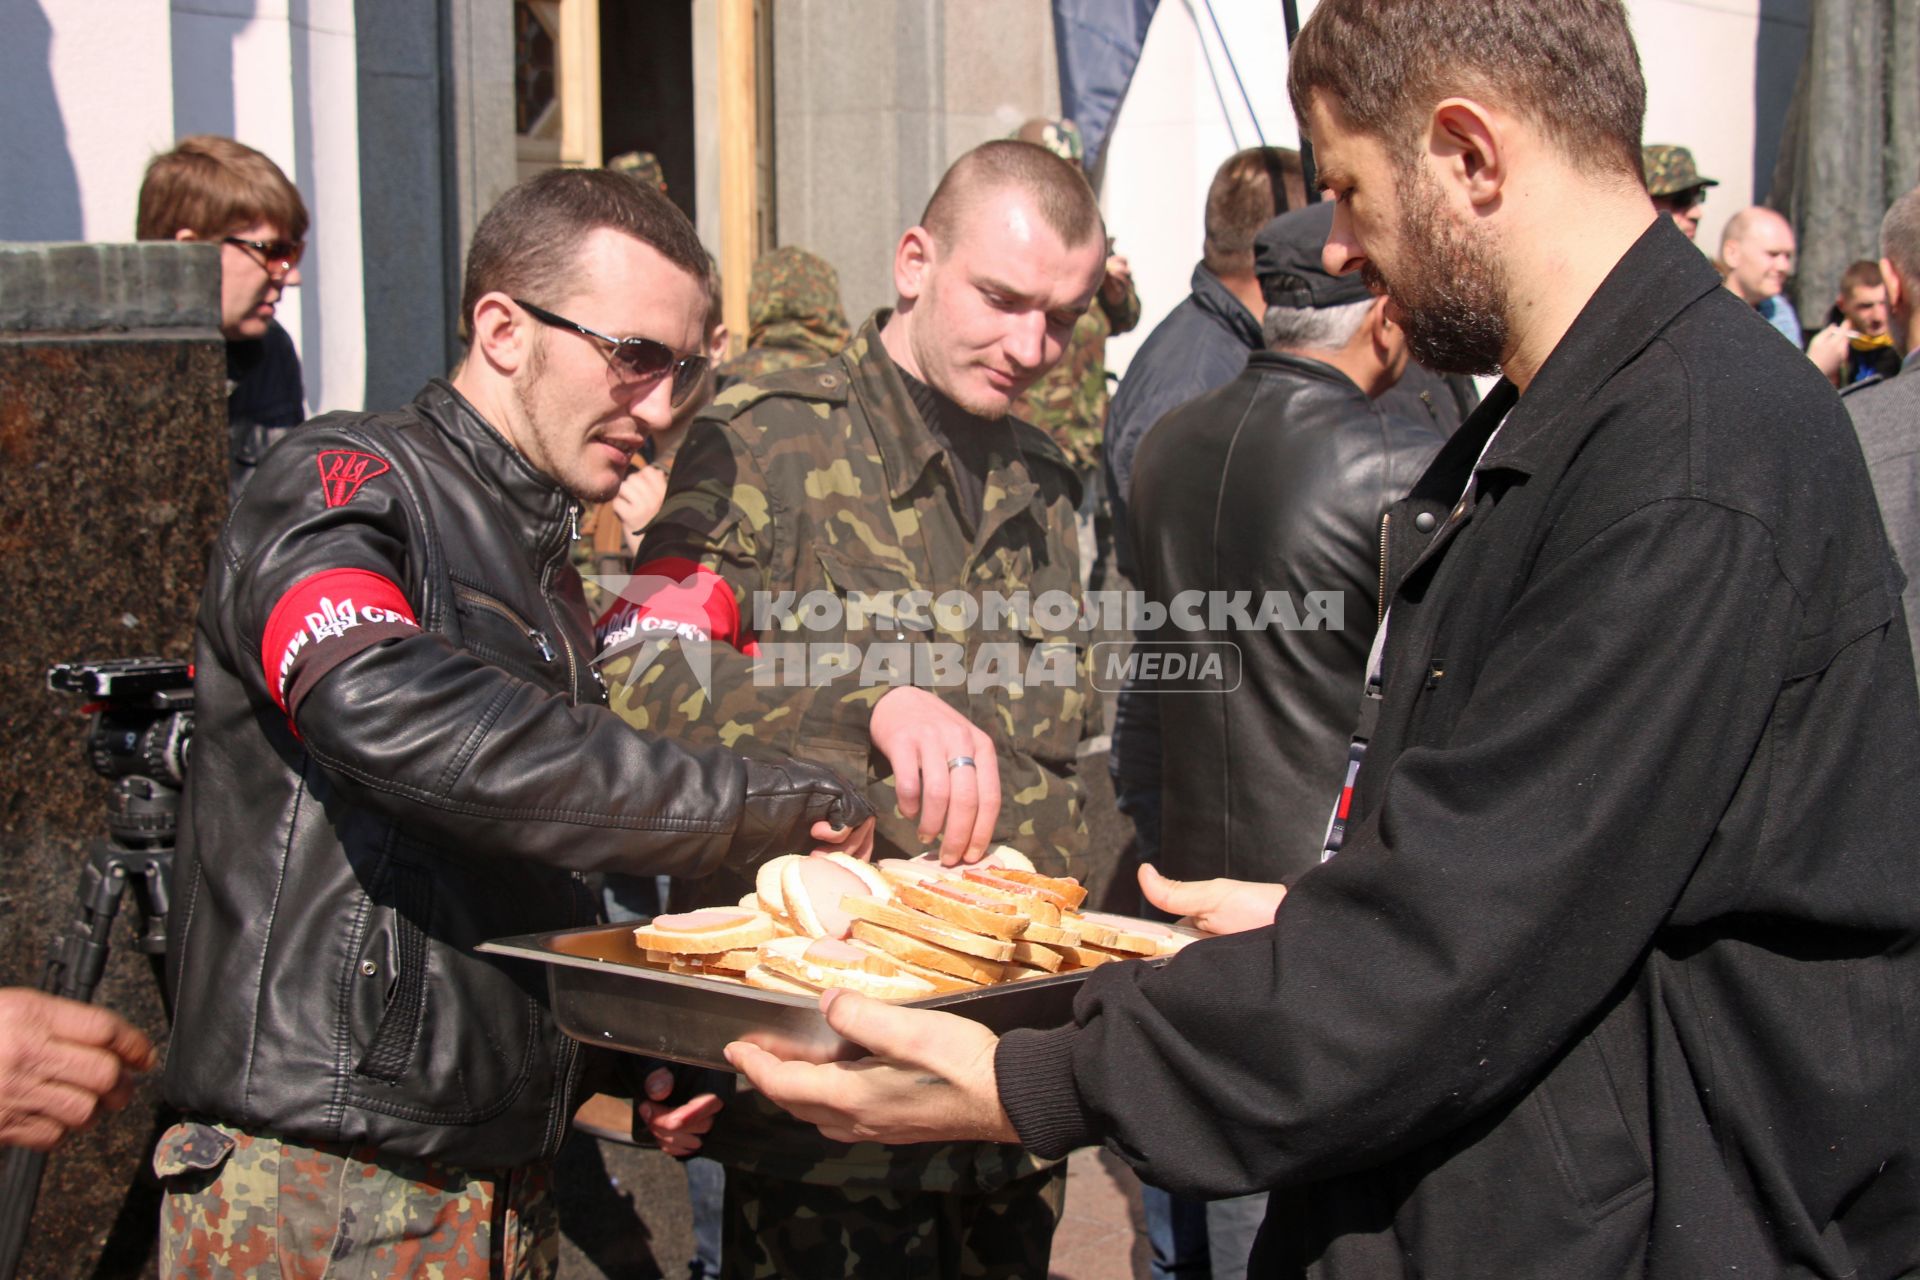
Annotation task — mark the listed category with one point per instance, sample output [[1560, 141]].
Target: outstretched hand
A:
[[922, 738], [1213, 906], [930, 1077], [676, 1129], [61, 1063]]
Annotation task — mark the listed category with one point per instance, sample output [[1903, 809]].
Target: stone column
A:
[[873, 100], [113, 465]]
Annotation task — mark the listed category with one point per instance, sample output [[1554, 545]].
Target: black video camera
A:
[[139, 736]]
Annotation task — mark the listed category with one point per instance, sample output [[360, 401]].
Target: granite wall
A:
[[113, 480]]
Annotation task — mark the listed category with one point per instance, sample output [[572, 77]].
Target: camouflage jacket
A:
[[1070, 403], [822, 502]]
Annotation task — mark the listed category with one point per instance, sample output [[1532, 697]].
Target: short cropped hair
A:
[[1248, 191], [1314, 328], [1900, 237], [1058, 190], [528, 245], [213, 186], [1569, 66], [1861, 274]]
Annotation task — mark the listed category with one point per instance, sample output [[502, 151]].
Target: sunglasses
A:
[[279, 257], [641, 359]]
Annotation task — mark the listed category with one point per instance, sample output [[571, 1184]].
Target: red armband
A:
[[677, 597], [324, 619]]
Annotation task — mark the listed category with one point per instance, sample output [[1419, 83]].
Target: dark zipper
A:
[[546, 597], [481, 600], [1380, 609]]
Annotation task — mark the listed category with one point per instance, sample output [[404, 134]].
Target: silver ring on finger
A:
[[960, 762]]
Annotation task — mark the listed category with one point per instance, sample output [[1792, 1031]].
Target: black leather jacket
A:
[[1276, 482], [400, 753]]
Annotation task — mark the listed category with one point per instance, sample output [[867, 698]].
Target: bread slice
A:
[[829, 962], [920, 953], [1036, 956], [1069, 892], [1032, 905], [943, 983], [813, 886], [705, 932], [1007, 857], [974, 912], [1064, 934], [1123, 933], [766, 883], [927, 928]]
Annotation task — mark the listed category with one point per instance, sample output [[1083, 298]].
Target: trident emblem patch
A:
[[343, 471]]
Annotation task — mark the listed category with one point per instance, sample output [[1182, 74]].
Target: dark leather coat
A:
[[400, 753], [1275, 483]]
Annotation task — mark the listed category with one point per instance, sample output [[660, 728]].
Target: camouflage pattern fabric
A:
[[643, 165], [1670, 170], [252, 1206], [1070, 402], [794, 316], [826, 480], [825, 483], [775, 1229]]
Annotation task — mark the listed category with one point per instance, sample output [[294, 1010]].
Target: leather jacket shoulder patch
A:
[[343, 471]]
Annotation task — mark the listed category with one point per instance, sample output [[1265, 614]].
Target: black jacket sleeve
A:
[[322, 621], [1504, 888]]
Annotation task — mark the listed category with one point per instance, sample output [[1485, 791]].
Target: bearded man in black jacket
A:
[[402, 752], [1611, 968]]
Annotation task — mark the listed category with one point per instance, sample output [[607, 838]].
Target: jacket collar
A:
[[1213, 297], [1272, 362], [525, 493], [1660, 276], [906, 445]]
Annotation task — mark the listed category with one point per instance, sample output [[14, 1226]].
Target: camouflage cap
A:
[[1062, 137], [643, 165], [1670, 170]]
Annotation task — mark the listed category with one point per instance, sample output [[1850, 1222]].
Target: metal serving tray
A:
[[605, 994]]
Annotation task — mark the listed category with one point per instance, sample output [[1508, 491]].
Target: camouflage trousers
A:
[[779, 1229], [251, 1205]]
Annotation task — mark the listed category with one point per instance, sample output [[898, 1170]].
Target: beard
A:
[[1451, 291]]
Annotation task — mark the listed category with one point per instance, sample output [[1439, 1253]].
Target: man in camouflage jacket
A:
[[833, 562], [794, 316]]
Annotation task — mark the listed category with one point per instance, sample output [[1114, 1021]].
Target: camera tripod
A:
[[138, 735]]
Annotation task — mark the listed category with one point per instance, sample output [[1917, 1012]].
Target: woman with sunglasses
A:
[[210, 188]]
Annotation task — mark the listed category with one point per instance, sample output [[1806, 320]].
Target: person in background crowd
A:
[[401, 751], [641, 166], [1675, 184], [1275, 483], [1757, 250], [1611, 970], [1202, 344], [794, 315], [1886, 409], [894, 468], [61, 1063], [1856, 343], [1070, 402], [214, 189]]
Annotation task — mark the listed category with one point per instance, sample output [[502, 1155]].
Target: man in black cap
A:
[[1265, 499]]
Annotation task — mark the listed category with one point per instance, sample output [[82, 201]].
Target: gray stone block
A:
[[102, 288]]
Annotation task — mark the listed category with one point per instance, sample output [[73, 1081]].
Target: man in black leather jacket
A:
[[402, 752], [1276, 483], [1273, 485]]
